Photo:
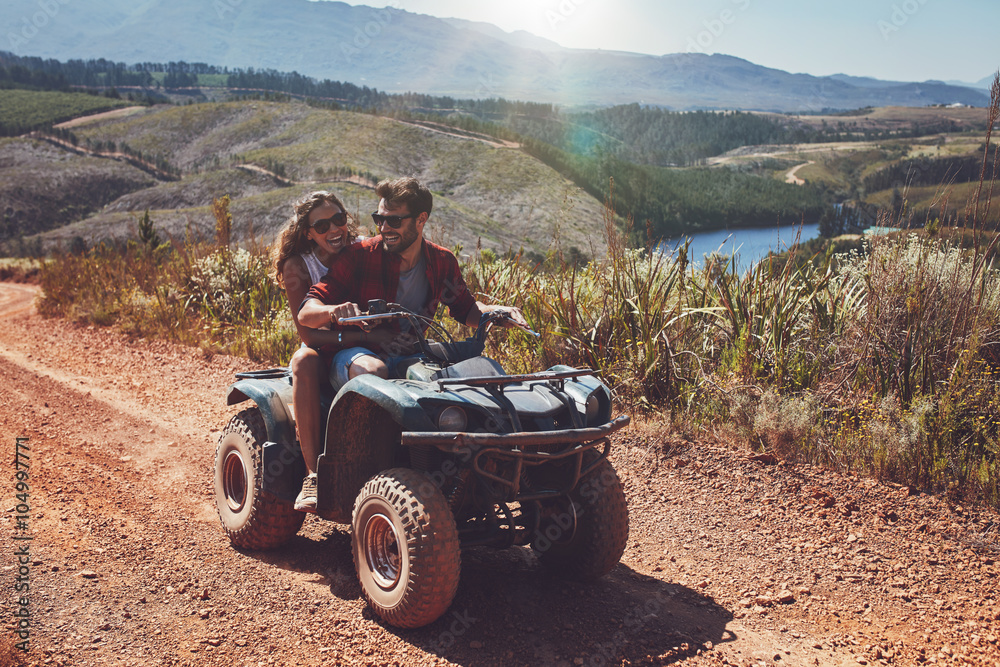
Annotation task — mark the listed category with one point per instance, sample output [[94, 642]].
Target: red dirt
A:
[[729, 560]]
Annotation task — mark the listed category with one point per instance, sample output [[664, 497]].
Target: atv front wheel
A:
[[584, 537], [406, 548], [251, 517]]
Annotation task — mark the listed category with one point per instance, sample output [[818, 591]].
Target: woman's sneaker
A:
[[306, 500]]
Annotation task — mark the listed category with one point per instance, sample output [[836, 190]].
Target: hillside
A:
[[922, 177], [42, 187], [23, 110], [485, 192], [914, 120], [398, 51]]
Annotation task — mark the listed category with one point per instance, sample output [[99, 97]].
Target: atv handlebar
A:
[[361, 320], [491, 317], [451, 351], [397, 312]]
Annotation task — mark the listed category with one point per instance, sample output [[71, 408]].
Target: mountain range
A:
[[399, 51]]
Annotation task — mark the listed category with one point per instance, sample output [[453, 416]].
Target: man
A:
[[398, 266]]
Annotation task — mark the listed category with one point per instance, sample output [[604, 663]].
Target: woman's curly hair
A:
[[294, 236]]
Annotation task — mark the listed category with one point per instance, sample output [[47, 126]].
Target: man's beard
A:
[[407, 236]]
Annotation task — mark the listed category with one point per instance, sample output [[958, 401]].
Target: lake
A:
[[750, 244]]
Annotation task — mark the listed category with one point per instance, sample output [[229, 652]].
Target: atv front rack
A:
[[523, 449], [500, 380], [463, 442]]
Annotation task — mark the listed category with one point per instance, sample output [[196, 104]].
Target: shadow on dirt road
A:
[[509, 610]]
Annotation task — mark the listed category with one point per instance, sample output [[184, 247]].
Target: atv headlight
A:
[[593, 406], [452, 419]]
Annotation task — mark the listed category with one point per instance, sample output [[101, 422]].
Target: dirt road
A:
[[729, 560], [791, 176]]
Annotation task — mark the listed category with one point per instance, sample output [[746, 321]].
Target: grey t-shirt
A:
[[413, 289]]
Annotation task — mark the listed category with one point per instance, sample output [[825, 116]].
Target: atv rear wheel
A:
[[251, 517], [584, 537], [406, 548]]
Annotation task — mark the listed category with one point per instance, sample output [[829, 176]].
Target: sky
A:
[[898, 40]]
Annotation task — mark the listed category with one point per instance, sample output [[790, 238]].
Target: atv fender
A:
[[400, 405], [586, 385], [364, 427], [282, 466], [272, 396]]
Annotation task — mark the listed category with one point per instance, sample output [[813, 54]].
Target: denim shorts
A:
[[341, 364], [340, 367]]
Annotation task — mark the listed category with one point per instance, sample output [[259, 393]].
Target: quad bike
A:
[[453, 453]]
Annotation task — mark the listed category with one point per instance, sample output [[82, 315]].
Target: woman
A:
[[318, 230]]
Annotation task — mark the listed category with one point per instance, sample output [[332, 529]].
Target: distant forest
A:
[[635, 146]]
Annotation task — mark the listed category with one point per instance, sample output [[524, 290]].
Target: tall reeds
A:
[[615, 315]]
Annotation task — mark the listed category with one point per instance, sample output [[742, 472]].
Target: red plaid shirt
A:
[[365, 271]]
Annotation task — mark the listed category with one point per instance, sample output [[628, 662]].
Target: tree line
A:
[[51, 74], [932, 171]]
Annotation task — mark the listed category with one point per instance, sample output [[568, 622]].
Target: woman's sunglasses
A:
[[394, 221], [338, 219]]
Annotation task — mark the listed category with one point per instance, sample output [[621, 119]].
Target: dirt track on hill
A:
[[104, 115], [729, 561], [791, 177]]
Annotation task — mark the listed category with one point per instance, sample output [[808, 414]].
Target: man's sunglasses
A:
[[338, 219], [394, 221]]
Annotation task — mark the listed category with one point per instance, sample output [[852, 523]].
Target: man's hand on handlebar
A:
[[342, 310], [514, 319], [389, 341]]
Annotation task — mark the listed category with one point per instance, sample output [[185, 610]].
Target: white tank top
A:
[[316, 271], [316, 268]]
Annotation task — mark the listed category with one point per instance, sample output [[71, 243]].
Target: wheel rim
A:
[[234, 481], [381, 544], [564, 535]]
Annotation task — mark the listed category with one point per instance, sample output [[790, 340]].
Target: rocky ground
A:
[[731, 559]]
